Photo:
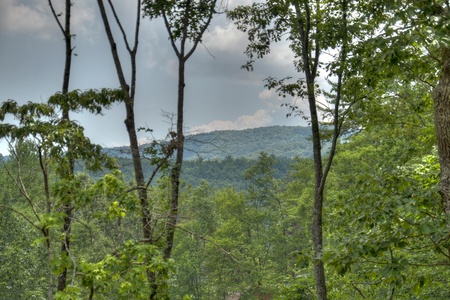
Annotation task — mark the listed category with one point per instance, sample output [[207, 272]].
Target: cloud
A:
[[220, 55], [35, 18], [259, 119], [273, 102], [21, 17], [84, 18], [225, 38], [231, 4], [266, 94]]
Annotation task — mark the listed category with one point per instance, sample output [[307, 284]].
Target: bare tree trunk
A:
[[130, 118], [441, 96], [183, 55], [68, 61], [65, 244], [130, 124], [176, 169], [51, 283], [67, 207]]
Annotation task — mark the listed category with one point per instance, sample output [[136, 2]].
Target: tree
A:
[[388, 220], [420, 58], [195, 231], [159, 156], [66, 31], [25, 268], [237, 242], [185, 21], [129, 91], [50, 137], [311, 28]]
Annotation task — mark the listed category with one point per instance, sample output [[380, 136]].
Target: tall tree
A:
[[411, 45], [311, 28], [434, 15], [67, 208], [129, 91], [149, 224], [384, 190], [185, 22]]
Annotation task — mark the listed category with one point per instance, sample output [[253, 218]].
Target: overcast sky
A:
[[219, 95]]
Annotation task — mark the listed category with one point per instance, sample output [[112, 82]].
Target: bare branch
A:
[[171, 36], [50, 3], [206, 240], [358, 290], [22, 215], [116, 17], [202, 30], [45, 174], [23, 190], [88, 228]]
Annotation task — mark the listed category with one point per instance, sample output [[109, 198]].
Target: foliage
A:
[[124, 273], [245, 215], [23, 270], [239, 242], [43, 147], [54, 135], [386, 211], [185, 20]]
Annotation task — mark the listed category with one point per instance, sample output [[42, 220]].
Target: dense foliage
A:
[[244, 213], [249, 233]]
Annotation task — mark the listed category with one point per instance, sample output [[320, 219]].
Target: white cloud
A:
[[22, 17], [281, 55], [83, 19], [266, 94], [271, 99], [233, 3], [259, 119], [225, 38], [35, 18]]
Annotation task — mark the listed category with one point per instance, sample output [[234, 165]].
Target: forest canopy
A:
[[354, 205]]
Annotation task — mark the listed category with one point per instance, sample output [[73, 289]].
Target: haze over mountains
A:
[[281, 141]]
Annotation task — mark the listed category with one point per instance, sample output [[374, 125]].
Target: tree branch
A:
[[22, 215], [23, 191], [206, 240], [56, 17], [116, 17]]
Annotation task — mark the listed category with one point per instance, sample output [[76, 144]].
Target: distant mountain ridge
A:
[[281, 141]]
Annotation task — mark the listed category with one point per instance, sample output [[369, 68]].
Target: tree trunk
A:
[[51, 279], [130, 124], [130, 119], [176, 169], [65, 245], [310, 58], [68, 62], [441, 96], [138, 170], [317, 224], [67, 208]]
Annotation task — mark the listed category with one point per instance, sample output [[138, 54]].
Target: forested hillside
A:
[[222, 157], [354, 206], [281, 141]]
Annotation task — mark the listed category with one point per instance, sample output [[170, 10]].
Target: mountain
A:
[[221, 157], [281, 141]]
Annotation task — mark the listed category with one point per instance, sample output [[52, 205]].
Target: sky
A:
[[219, 95]]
